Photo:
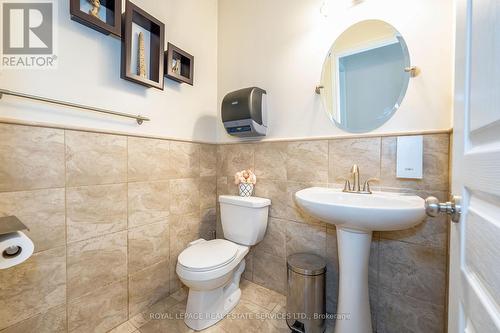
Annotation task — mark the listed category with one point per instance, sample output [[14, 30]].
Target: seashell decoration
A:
[[141, 63], [96, 7]]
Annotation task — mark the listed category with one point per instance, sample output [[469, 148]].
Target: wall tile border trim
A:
[[10, 121], [243, 141], [342, 136]]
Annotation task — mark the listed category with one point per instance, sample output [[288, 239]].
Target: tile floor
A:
[[257, 311]]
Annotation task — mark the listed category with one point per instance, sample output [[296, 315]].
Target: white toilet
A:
[[212, 269]]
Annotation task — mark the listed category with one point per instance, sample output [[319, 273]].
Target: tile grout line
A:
[[377, 301], [98, 237], [380, 161], [378, 283], [169, 222], [74, 300], [127, 261], [31, 317], [330, 166], [387, 291], [66, 228]]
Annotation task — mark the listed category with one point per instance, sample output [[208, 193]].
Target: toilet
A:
[[212, 269]]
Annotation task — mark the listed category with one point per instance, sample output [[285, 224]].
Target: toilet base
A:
[[206, 308]]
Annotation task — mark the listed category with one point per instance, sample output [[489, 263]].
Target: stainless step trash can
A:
[[305, 303]]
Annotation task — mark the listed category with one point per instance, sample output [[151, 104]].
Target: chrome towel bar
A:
[[140, 119]]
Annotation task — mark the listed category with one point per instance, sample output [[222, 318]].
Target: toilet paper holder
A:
[[15, 246], [9, 224]]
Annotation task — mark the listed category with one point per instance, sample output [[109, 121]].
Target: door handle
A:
[[453, 207]]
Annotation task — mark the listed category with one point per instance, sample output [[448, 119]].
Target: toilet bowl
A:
[[212, 269]]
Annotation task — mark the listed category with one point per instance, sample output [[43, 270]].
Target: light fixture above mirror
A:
[[326, 6]]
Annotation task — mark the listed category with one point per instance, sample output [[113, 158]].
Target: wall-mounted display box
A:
[[179, 65], [101, 15], [142, 47]]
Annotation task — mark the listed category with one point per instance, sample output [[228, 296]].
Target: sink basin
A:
[[380, 211], [356, 216]]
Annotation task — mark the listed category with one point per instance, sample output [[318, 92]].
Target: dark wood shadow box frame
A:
[[113, 24], [187, 64], [134, 14]]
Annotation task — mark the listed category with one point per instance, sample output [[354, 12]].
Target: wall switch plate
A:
[[410, 156]]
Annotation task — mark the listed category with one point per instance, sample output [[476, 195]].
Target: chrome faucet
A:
[[356, 187]]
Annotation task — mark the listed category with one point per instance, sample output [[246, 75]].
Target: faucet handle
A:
[[366, 186], [347, 184]]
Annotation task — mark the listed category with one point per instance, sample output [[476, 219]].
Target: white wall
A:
[[89, 73], [280, 45]]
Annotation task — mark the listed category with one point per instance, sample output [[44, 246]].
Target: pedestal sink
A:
[[356, 216]]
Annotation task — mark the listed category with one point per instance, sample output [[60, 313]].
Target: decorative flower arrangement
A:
[[246, 177], [246, 180]]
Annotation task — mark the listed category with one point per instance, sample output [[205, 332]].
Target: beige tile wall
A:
[[407, 268], [108, 215]]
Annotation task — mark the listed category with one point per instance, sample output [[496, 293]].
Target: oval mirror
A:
[[365, 76]]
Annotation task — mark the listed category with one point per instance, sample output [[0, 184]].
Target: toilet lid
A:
[[208, 255]]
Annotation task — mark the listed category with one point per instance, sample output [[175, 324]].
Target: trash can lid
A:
[[306, 264]]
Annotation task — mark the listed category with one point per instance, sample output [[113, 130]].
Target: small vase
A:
[[246, 190]]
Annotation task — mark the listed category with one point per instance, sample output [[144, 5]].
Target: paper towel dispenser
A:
[[244, 112]]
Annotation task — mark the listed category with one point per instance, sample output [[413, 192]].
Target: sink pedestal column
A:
[[353, 300]]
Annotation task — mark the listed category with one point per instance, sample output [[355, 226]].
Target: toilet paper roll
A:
[[15, 248]]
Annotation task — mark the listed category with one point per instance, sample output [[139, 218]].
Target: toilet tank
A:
[[244, 219]]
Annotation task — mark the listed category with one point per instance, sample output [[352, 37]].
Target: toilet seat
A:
[[208, 255], [195, 266]]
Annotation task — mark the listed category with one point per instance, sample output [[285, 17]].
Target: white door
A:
[[474, 296]]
